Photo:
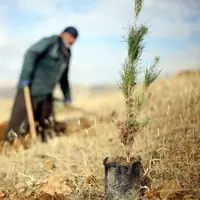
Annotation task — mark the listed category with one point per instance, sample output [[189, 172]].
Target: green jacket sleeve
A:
[[31, 56], [64, 84]]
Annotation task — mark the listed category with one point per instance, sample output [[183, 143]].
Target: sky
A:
[[99, 52]]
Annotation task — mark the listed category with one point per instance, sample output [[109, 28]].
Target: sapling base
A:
[[123, 179]]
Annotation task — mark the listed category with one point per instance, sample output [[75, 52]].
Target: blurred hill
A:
[[8, 89]]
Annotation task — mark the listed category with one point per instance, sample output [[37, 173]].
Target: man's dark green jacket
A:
[[45, 65]]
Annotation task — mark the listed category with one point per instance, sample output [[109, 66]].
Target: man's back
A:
[[44, 64]]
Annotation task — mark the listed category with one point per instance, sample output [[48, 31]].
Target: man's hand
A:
[[67, 102], [25, 82], [68, 106]]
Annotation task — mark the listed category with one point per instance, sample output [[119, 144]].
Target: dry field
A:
[[70, 167]]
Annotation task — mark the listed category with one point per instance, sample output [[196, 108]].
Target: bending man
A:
[[46, 63]]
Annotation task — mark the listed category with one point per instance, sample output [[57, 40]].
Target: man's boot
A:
[[60, 128], [12, 142], [46, 130], [11, 136], [45, 133]]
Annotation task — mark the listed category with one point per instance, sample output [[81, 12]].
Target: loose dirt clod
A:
[[49, 164], [2, 195], [56, 186], [171, 188]]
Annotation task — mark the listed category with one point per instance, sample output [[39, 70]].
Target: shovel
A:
[[29, 110]]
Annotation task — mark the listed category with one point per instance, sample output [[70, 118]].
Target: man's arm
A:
[[65, 86], [30, 59]]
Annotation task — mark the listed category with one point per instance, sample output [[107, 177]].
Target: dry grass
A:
[[169, 148], [5, 109]]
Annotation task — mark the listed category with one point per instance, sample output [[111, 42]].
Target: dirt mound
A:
[[3, 127]]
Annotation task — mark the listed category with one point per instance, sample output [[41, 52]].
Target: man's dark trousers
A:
[[18, 123]]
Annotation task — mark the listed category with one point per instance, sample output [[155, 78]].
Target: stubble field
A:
[[71, 167]]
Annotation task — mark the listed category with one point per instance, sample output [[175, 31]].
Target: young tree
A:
[[124, 176], [131, 69]]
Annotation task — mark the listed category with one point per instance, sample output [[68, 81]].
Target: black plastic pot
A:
[[122, 180]]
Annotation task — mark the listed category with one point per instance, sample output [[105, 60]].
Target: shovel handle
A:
[[29, 110]]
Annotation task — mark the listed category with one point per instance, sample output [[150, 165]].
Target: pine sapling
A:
[[131, 69]]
